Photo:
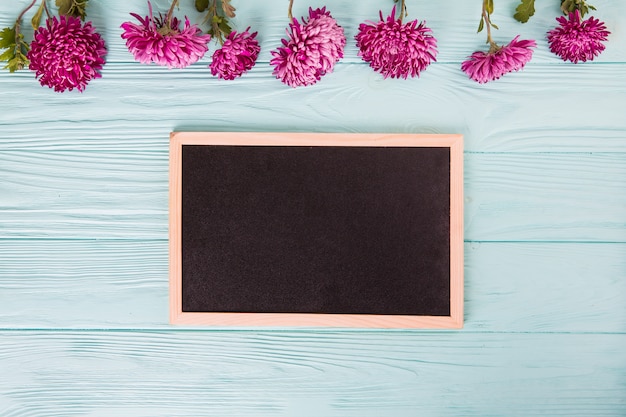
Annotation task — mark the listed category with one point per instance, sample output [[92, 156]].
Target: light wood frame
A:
[[454, 142]]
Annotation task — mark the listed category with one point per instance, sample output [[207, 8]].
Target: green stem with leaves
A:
[[215, 22], [218, 13], [18, 22], [569, 6], [487, 23]]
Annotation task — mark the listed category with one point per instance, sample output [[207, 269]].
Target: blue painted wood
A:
[[359, 373], [83, 232], [530, 111], [518, 287], [123, 195]]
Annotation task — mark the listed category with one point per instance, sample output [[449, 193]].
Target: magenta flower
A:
[[311, 50], [160, 40], [65, 54], [238, 54], [576, 39], [488, 66], [394, 49]]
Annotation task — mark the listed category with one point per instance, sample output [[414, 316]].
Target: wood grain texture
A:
[[518, 287], [83, 231], [123, 195], [531, 111], [311, 374], [549, 197]]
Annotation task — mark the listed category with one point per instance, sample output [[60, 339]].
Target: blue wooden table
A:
[[84, 249]]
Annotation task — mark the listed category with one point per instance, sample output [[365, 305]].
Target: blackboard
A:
[[282, 229]]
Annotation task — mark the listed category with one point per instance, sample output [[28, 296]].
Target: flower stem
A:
[[18, 22], [45, 7], [289, 14], [403, 12], [215, 26], [487, 21], [170, 12]]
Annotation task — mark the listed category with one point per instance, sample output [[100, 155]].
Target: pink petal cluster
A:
[[311, 50], [394, 49], [65, 54], [238, 54], [488, 66], [576, 39], [160, 40]]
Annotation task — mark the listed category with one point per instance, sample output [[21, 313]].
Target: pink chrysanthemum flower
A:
[[238, 54], [160, 40], [576, 39], [311, 50], [499, 60], [394, 49], [65, 54]]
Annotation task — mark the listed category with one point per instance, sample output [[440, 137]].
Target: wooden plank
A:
[[520, 287], [83, 284], [545, 287], [550, 197], [503, 116], [123, 195], [87, 194], [311, 373]]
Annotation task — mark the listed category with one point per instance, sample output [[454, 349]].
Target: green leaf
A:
[[489, 6], [491, 23], [17, 63], [7, 38], [74, 8], [583, 8], [16, 49], [36, 20], [481, 25], [7, 55], [225, 27], [65, 6], [569, 6], [524, 10], [202, 5], [565, 6]]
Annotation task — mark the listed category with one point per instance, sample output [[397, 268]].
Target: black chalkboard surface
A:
[[309, 229]]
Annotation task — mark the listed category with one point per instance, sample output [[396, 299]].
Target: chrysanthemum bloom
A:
[[65, 54], [499, 60], [576, 39], [394, 49], [160, 40], [311, 50], [238, 54]]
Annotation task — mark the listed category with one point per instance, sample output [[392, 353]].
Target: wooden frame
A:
[[454, 142]]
